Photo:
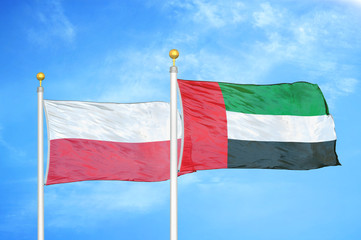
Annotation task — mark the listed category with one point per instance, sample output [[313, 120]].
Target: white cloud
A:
[[304, 35], [353, 2], [348, 85], [52, 24], [268, 16], [87, 203], [311, 42], [231, 196], [218, 15], [132, 76], [14, 151], [340, 87], [188, 180], [215, 14], [16, 221]]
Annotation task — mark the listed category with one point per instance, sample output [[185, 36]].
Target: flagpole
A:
[[40, 76], [173, 148]]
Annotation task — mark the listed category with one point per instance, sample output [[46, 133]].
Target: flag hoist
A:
[[40, 76], [173, 148]]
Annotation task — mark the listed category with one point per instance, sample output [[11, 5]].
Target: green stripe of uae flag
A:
[[282, 126]]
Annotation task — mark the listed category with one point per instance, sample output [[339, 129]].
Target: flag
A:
[[281, 126], [108, 141]]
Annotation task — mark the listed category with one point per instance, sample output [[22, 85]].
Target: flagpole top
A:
[[40, 76], [173, 54]]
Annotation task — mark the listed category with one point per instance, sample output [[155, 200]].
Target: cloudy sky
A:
[[117, 51]]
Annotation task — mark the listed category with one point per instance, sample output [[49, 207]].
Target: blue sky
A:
[[118, 51]]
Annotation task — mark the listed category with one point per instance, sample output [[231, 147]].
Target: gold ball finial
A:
[[173, 54], [40, 76]]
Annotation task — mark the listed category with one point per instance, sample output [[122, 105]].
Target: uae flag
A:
[[108, 141], [282, 126]]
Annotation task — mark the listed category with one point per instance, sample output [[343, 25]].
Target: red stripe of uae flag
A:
[[108, 141]]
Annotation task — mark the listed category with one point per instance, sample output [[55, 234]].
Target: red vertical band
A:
[[205, 126]]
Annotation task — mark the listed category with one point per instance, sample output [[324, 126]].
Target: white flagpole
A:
[[40, 76], [173, 148]]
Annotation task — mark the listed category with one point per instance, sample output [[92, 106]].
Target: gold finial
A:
[[40, 76], [173, 54]]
